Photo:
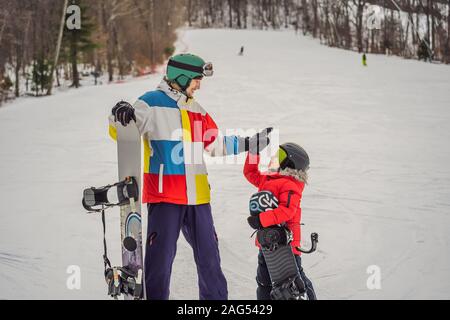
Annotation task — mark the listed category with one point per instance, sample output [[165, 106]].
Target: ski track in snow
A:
[[378, 195]]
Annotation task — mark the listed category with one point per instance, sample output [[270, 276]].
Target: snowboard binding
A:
[[291, 289], [272, 238], [96, 199], [120, 280], [275, 244]]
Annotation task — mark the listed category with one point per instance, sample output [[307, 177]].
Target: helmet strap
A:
[[175, 85], [183, 87]]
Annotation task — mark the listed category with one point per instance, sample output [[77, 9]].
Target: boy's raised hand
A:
[[258, 142]]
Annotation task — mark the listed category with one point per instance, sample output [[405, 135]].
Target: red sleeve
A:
[[288, 207], [210, 132], [251, 170]]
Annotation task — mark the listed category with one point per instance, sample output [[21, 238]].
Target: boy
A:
[[287, 186]]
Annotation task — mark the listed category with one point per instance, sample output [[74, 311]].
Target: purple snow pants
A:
[[164, 224]]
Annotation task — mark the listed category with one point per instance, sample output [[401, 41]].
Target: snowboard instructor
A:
[[176, 132]]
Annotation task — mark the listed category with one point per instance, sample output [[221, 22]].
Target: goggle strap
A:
[[185, 66]]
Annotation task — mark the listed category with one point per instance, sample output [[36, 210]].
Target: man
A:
[[176, 131]]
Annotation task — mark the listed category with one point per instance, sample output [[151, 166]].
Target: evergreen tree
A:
[[40, 76], [78, 42]]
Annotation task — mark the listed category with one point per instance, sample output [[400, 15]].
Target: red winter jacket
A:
[[287, 189]]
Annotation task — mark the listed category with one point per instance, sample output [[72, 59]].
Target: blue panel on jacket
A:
[[158, 99], [170, 154]]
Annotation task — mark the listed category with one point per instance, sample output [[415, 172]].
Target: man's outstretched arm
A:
[[217, 145]]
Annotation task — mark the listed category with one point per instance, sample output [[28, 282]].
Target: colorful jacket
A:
[[176, 131], [287, 189]]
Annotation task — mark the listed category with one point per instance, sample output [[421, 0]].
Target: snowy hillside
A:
[[380, 176]]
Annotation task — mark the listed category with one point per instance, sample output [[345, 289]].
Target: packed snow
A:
[[379, 192]]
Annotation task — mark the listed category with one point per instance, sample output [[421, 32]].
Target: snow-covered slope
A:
[[380, 180]]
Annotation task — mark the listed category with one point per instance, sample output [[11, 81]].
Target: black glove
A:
[[258, 142], [254, 222], [124, 113]]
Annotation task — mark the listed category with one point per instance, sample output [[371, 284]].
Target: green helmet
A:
[[182, 68]]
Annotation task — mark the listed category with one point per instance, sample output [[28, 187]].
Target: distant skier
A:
[[364, 60], [287, 186], [177, 131], [241, 52]]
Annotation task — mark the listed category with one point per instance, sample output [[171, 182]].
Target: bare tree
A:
[[447, 50], [58, 47], [360, 4]]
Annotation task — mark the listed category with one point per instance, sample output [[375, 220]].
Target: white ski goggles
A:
[[208, 69]]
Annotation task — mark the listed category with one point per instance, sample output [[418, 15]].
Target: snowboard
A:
[[129, 165], [275, 242]]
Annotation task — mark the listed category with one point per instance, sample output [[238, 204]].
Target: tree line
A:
[[116, 38], [407, 28]]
